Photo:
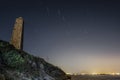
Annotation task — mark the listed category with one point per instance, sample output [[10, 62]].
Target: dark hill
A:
[[19, 65]]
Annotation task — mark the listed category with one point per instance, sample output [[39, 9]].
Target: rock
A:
[[18, 65], [2, 77]]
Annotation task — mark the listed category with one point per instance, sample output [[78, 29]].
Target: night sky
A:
[[75, 35]]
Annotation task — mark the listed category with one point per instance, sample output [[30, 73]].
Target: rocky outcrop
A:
[[19, 65]]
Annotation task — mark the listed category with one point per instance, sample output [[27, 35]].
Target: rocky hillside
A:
[[19, 65]]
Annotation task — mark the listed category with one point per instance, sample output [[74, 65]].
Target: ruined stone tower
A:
[[17, 34]]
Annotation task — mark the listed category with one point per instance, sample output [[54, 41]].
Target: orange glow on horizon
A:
[[95, 73]]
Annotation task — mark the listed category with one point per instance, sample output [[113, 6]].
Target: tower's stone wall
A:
[[17, 34]]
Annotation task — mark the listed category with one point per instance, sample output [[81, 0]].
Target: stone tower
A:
[[17, 34]]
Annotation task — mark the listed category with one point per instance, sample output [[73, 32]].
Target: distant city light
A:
[[68, 73], [115, 74], [83, 73], [94, 73]]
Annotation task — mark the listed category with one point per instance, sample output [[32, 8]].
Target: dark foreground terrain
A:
[[19, 65], [95, 77]]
